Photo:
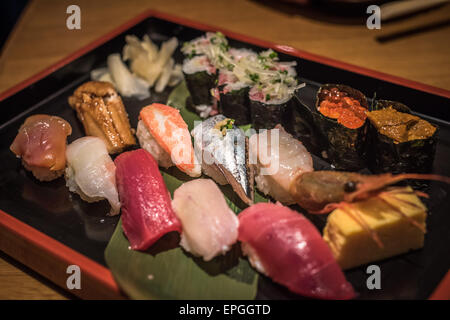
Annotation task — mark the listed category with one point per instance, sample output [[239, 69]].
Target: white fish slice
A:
[[210, 228], [278, 165], [91, 173]]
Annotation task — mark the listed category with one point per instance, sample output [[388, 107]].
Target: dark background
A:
[[10, 11]]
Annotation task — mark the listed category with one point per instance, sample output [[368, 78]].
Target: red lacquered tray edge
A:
[[51, 258]]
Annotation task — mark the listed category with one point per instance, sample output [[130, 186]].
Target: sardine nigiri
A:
[[224, 154], [147, 213], [91, 172], [278, 165], [41, 143], [285, 246], [163, 132], [210, 227]]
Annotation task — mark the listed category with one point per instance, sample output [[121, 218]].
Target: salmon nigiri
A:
[[147, 212], [285, 246], [163, 133]]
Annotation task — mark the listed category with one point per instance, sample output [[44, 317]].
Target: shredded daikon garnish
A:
[[276, 80]]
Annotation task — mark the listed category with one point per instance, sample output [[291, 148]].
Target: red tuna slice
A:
[[147, 212], [291, 251]]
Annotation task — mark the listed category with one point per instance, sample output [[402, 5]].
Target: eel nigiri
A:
[[147, 213], [210, 227], [279, 158], [224, 154], [101, 110], [162, 131], [91, 173], [41, 143], [285, 246]]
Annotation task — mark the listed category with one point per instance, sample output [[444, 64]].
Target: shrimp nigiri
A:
[[91, 173], [163, 133]]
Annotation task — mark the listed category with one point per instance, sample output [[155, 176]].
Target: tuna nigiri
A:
[[41, 143], [285, 246], [210, 227], [162, 131], [279, 158], [147, 213], [91, 172], [224, 154]]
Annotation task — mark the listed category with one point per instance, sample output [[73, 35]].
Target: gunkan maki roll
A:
[[234, 85], [400, 142], [253, 87], [200, 76], [272, 98], [267, 112], [204, 56], [233, 97], [340, 117]]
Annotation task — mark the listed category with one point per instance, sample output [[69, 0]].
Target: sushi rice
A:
[[272, 82]]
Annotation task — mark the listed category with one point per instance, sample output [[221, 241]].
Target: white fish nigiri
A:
[[209, 226], [91, 173], [278, 165]]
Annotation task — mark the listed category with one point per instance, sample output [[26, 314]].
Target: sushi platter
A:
[[174, 160]]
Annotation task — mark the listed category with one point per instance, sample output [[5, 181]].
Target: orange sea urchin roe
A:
[[346, 110]]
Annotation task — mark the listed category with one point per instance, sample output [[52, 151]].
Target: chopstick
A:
[[397, 9], [415, 30]]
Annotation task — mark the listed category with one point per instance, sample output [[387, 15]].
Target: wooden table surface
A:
[[41, 38]]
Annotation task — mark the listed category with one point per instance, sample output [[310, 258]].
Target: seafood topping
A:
[[399, 126], [147, 213], [279, 158], [210, 228], [224, 153], [163, 132], [285, 246], [41, 144], [324, 191], [338, 105], [103, 114], [91, 173]]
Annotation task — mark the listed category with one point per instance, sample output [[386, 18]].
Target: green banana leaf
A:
[[166, 271]]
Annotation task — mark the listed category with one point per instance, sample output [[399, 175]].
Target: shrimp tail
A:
[[371, 184]]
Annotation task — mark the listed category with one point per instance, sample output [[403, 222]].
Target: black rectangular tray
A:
[[51, 209]]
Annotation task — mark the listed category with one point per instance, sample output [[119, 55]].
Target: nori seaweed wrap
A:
[[251, 87], [409, 145], [345, 144], [199, 85], [232, 96], [268, 115], [235, 104], [200, 78], [302, 127]]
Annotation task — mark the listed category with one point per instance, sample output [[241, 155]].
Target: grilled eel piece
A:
[[103, 114]]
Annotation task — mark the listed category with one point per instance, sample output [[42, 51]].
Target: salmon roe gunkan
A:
[[338, 105]]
